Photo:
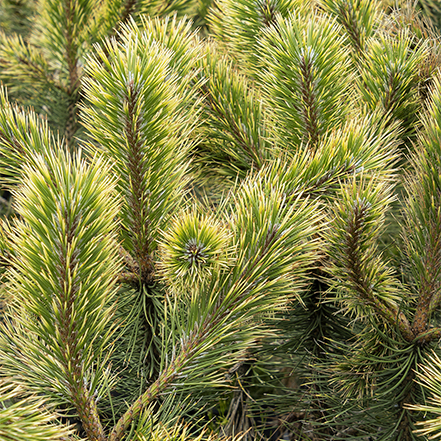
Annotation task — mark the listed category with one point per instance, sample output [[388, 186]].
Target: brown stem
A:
[[137, 203], [72, 67], [421, 317], [360, 280], [71, 121], [350, 23], [405, 425], [129, 8], [309, 108], [141, 263], [269, 12], [128, 278], [391, 98], [429, 278], [72, 361], [430, 335]]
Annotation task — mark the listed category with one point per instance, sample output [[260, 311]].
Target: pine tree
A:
[[201, 208]]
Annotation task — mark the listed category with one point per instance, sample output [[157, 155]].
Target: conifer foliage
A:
[[220, 220]]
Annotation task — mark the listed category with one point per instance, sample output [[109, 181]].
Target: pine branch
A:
[[306, 77], [360, 276], [389, 77], [421, 232], [234, 129], [427, 336], [143, 129], [161, 383], [350, 23], [359, 19], [195, 248], [61, 280], [66, 30], [429, 283], [72, 354], [136, 200]]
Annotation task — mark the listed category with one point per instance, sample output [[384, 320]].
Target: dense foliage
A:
[[220, 220]]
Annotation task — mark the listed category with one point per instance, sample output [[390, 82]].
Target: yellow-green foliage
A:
[[203, 217]]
